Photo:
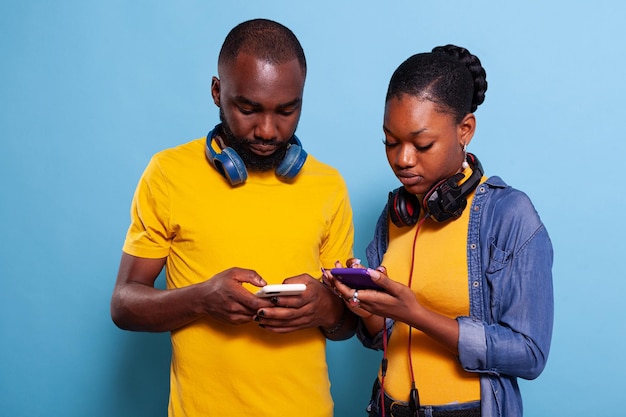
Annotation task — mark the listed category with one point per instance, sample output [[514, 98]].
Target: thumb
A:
[[253, 278]]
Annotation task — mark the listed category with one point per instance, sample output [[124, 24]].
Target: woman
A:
[[464, 261]]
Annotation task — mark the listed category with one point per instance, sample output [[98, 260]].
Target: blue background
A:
[[90, 90]]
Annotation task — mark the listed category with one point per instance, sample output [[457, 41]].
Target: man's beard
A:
[[252, 161]]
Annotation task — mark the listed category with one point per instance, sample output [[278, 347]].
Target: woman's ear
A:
[[215, 91], [466, 128]]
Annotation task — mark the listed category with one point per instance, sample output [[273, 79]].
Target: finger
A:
[[250, 276], [379, 278], [300, 279], [287, 302], [235, 318], [344, 291], [354, 300], [327, 277], [281, 317], [353, 263]]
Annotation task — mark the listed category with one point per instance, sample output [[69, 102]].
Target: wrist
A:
[[338, 325], [363, 314]]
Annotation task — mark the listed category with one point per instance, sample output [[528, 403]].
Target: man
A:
[[230, 213]]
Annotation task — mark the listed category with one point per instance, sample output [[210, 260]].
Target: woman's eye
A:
[[423, 148], [388, 144]]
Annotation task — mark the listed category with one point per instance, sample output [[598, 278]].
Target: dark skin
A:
[[259, 101], [423, 145]]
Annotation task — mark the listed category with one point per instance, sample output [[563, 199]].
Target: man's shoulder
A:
[[320, 174], [313, 164], [180, 160], [188, 149]]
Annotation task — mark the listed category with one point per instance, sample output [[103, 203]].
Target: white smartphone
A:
[[275, 290]]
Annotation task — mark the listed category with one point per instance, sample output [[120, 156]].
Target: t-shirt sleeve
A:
[[339, 241], [149, 234]]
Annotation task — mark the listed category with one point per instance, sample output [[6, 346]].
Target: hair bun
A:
[[475, 68]]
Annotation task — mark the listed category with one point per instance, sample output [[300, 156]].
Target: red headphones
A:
[[445, 200]]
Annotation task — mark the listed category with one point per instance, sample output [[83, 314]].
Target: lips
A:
[[410, 180], [263, 149]]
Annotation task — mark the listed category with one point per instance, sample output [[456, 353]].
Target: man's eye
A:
[[286, 112], [243, 110]]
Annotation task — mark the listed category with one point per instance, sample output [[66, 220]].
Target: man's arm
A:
[[343, 328], [137, 305]]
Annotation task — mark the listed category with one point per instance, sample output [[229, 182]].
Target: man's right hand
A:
[[228, 301], [137, 305]]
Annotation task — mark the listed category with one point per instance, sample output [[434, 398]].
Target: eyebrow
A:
[[415, 133], [293, 103]]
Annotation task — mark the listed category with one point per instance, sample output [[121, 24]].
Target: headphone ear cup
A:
[[229, 164], [441, 206], [403, 207], [292, 162], [430, 200]]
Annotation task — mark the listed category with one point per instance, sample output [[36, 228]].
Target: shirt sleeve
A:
[[514, 336], [378, 245], [149, 234], [375, 342], [339, 240]]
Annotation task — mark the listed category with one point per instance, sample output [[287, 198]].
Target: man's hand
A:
[[228, 301], [316, 307], [137, 305]]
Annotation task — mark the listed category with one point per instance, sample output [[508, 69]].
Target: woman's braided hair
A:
[[450, 76]]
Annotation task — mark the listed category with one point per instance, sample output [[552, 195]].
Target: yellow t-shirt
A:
[[185, 211], [440, 283]]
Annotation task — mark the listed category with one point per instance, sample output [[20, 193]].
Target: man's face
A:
[[260, 105]]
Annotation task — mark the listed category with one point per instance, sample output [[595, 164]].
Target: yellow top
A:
[[185, 211], [440, 283]]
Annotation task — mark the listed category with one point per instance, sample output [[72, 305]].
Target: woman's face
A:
[[424, 145]]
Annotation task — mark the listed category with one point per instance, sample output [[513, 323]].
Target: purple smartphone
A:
[[357, 278]]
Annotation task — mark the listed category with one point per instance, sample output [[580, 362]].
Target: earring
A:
[[464, 165]]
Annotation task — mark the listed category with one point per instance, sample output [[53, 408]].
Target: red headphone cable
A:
[[414, 399]]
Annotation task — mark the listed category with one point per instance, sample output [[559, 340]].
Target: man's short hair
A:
[[263, 39]]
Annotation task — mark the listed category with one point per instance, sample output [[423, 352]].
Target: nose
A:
[[406, 157], [266, 128]]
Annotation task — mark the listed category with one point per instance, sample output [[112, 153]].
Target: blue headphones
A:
[[231, 166]]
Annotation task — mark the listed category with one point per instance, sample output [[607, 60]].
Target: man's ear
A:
[[215, 91]]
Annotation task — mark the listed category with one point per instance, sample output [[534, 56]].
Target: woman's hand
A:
[[398, 302], [395, 301]]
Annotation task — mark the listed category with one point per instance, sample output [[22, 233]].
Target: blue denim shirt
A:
[[509, 330]]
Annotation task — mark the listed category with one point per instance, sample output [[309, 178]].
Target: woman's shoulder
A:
[[504, 193], [510, 205]]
